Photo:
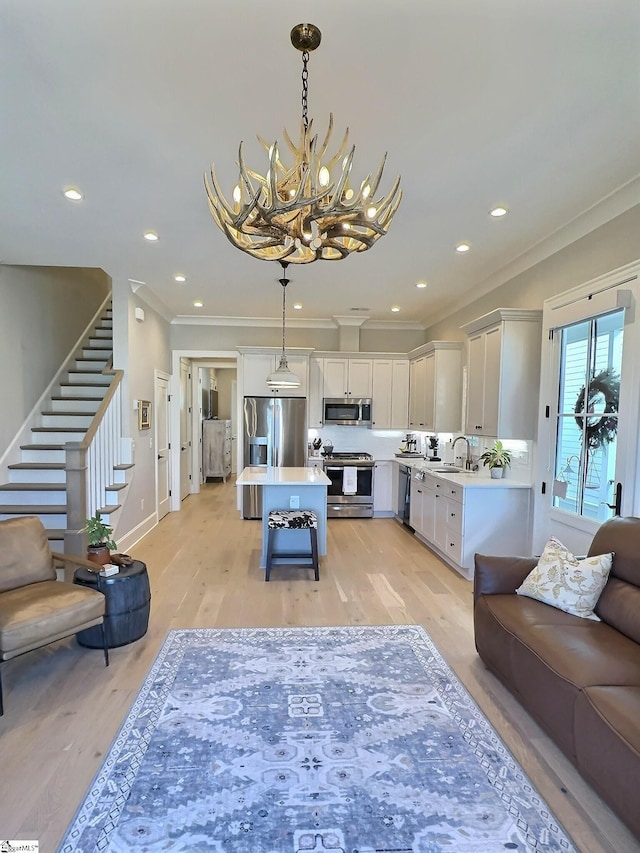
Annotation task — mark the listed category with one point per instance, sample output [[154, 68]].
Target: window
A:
[[588, 416]]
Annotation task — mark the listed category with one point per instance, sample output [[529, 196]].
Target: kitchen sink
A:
[[449, 469]]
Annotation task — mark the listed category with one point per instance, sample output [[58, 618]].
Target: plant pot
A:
[[98, 554], [496, 473]]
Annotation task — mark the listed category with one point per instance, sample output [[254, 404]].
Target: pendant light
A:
[[282, 377], [304, 210]]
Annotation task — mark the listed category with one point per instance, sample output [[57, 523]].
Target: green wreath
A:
[[600, 427]]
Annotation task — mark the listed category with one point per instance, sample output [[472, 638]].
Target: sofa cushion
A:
[[608, 745], [25, 556], [33, 615], [565, 582]]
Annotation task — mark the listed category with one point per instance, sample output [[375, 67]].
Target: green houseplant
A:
[[497, 458], [100, 538]]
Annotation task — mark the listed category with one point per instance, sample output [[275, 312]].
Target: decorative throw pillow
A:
[[565, 582]]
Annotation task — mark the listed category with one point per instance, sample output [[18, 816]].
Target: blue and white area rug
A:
[[309, 740]]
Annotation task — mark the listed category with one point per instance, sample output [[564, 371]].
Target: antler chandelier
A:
[[307, 211]]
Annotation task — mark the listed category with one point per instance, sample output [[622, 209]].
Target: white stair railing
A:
[[90, 465]]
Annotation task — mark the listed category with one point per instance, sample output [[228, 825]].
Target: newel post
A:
[[76, 474]]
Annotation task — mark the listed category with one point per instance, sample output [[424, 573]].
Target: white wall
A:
[[43, 312], [140, 348]]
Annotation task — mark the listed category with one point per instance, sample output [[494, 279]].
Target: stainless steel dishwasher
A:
[[404, 494]]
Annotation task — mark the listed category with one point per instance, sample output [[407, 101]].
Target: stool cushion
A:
[[298, 519]]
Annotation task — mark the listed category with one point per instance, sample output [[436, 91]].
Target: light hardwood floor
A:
[[63, 708]]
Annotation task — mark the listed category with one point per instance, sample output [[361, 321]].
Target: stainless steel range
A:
[[350, 493]]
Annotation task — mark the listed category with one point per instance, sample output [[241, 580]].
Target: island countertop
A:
[[261, 476]]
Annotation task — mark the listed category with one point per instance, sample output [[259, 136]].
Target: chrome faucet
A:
[[469, 460]]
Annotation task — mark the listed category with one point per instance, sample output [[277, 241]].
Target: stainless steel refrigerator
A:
[[275, 435]]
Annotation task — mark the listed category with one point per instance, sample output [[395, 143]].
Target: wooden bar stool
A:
[[293, 519]]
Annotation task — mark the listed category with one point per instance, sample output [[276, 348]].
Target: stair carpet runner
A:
[[37, 484]]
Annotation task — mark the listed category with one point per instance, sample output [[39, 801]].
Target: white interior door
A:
[[163, 460], [185, 428]]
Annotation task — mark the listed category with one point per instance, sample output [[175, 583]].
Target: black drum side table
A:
[[128, 599]]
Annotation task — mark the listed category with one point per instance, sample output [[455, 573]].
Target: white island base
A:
[[279, 487]]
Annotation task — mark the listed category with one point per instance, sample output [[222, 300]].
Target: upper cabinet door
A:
[[399, 394], [348, 377], [360, 377], [503, 373]]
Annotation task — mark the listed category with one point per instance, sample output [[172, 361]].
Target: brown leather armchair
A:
[[35, 608]]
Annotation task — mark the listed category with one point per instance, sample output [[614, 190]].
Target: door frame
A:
[[161, 374], [198, 359], [619, 288]]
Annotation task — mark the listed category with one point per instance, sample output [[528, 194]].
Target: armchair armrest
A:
[[500, 575], [72, 562]]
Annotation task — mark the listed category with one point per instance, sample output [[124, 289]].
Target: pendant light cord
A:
[[284, 281]]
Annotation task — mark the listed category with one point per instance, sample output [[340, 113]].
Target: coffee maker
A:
[[433, 448], [411, 442]]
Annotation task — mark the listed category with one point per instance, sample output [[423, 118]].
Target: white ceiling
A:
[[534, 105]]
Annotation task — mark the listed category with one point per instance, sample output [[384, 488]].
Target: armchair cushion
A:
[[25, 556], [40, 613]]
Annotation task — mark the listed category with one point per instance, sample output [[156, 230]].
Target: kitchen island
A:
[[290, 488]]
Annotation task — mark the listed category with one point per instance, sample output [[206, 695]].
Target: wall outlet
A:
[[294, 502]]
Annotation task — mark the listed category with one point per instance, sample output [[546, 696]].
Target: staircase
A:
[[38, 483]]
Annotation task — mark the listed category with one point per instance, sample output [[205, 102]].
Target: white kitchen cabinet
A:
[[436, 387], [415, 506], [316, 388], [459, 521], [383, 488], [348, 377], [257, 366], [417, 390], [503, 373], [390, 393]]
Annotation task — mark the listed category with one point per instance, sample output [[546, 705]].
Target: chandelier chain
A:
[[305, 87]]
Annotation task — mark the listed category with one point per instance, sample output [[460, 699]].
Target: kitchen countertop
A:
[[260, 476], [472, 479]]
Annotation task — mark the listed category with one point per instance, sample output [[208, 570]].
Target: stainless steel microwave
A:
[[345, 411]]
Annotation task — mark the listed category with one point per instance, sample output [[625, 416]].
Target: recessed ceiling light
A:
[[179, 277], [298, 306], [395, 308], [198, 304], [151, 236], [421, 284], [73, 194], [498, 211], [463, 247]]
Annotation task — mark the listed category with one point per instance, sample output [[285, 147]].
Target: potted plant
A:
[[100, 539], [497, 458]]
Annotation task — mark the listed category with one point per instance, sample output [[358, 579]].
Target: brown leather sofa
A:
[[578, 678], [35, 608]]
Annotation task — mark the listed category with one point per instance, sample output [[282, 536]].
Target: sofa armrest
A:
[[499, 575]]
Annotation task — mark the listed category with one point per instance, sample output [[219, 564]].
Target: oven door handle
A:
[[335, 468]]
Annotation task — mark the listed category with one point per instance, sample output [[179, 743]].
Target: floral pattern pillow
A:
[[565, 582]]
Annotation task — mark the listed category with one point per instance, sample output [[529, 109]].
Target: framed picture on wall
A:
[[144, 414]]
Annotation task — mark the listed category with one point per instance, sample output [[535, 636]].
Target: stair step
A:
[[58, 429], [106, 510], [56, 514], [38, 472], [73, 389], [74, 406], [37, 466], [124, 466], [33, 509], [31, 487], [38, 453], [68, 420], [115, 487], [34, 494]]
